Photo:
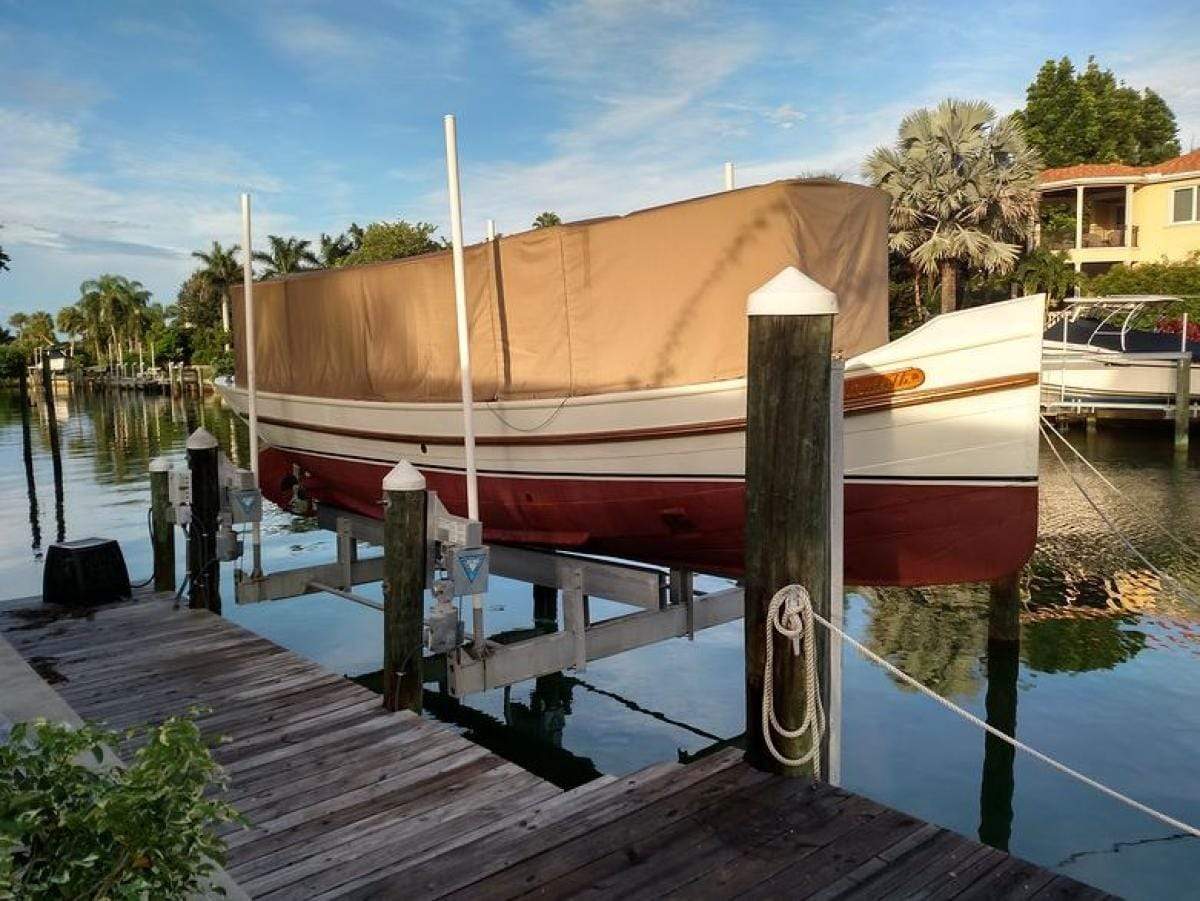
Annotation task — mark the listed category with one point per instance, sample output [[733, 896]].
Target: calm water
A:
[[1107, 679]]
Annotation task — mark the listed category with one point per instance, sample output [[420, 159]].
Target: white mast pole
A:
[[729, 176], [251, 375], [491, 229], [460, 309]]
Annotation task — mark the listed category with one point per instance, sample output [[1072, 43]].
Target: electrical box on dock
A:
[[85, 573]]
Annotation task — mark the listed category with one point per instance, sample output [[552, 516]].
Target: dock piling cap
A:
[[791, 293], [201, 439], [404, 477], [160, 464]]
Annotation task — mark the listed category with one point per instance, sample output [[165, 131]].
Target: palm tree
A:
[[1047, 270], [17, 321], [335, 249], [39, 329], [287, 255], [962, 188], [114, 305], [222, 270], [72, 323], [546, 219], [5, 259]]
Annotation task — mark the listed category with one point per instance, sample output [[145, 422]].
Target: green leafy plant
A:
[[71, 827]]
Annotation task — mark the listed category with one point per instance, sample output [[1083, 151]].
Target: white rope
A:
[[1171, 536], [798, 609], [1116, 530], [791, 615]]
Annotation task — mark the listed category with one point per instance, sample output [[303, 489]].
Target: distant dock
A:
[[347, 800]]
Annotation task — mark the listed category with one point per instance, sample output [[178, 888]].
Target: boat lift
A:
[[1120, 312]]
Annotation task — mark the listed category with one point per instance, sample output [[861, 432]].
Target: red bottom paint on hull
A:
[[895, 534]]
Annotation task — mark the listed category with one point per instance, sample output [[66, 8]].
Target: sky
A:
[[128, 129]]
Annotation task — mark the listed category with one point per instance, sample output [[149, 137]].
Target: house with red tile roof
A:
[[1103, 214]]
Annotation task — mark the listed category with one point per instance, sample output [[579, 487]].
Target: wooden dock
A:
[[348, 801]]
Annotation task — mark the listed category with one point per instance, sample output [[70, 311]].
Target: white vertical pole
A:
[[491, 229], [251, 374], [1183, 334], [460, 310], [837, 503], [729, 176]]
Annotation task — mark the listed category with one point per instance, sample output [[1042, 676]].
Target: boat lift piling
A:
[[788, 506]]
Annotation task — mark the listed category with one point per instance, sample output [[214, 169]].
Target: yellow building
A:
[[1107, 213]]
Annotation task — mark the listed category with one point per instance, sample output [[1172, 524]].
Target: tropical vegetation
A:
[[962, 187], [73, 827], [286, 256], [547, 219], [1090, 117], [381, 241]]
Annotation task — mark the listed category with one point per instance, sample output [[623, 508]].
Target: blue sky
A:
[[127, 129]]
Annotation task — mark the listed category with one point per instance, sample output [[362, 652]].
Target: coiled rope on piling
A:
[[798, 615], [791, 615]]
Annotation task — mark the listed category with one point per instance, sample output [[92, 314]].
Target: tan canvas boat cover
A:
[[653, 299]]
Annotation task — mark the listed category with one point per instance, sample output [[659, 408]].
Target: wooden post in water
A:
[[1183, 400], [203, 567], [403, 587], [787, 493], [1004, 608], [162, 529]]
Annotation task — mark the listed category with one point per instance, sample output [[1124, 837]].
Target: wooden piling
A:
[[162, 530], [403, 587], [1004, 608], [1183, 400], [203, 567], [787, 493]]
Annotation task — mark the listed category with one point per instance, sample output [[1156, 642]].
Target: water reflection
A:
[[35, 526], [997, 785]]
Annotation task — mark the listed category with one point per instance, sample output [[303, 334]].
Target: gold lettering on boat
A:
[[877, 385]]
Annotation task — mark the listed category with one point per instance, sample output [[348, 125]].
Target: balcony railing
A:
[[1093, 237]]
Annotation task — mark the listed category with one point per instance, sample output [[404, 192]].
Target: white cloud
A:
[[67, 216]]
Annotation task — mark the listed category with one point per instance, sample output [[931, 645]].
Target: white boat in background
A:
[[941, 456], [1093, 356]]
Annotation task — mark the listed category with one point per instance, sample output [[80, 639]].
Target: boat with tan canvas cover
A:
[[608, 361]]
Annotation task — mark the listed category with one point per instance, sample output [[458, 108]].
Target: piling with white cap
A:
[[788, 481], [404, 501]]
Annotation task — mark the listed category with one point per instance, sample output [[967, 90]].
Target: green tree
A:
[[1090, 117], [962, 188], [392, 241], [39, 329], [223, 271], [198, 303], [5, 259], [17, 321], [72, 323], [546, 220], [1047, 270], [334, 249], [113, 305], [287, 255]]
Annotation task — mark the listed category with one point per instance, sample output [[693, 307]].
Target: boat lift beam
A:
[[669, 606]]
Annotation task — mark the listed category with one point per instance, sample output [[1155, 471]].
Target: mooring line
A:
[[1179, 586], [1179, 542], [797, 598]]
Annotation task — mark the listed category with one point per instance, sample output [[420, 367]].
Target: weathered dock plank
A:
[[347, 800]]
